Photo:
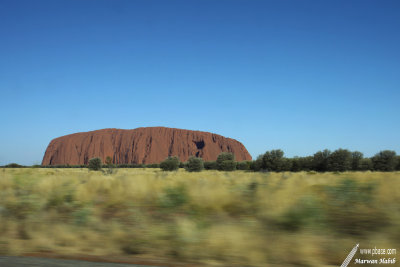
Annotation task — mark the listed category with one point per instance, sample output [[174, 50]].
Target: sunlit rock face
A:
[[141, 145]]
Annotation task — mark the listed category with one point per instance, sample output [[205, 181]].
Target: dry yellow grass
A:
[[216, 218]]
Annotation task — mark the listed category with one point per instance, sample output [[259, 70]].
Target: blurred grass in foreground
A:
[[216, 218]]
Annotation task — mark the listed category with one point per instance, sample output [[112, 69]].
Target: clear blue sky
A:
[[297, 75]]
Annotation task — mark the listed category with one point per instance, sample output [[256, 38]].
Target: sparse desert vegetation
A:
[[211, 217]]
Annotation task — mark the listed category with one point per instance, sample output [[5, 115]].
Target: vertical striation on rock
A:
[[141, 145]]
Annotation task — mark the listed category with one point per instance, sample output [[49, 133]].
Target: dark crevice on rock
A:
[[199, 144]]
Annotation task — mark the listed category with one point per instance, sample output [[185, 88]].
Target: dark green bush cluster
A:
[[182, 164], [385, 161], [244, 165], [227, 165], [226, 162], [273, 161], [210, 165], [13, 165], [131, 165], [60, 166], [174, 197], [350, 208], [347, 208], [152, 165], [307, 211], [95, 164], [194, 164], [337, 161], [170, 164]]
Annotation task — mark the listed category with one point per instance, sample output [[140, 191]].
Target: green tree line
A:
[[339, 160]]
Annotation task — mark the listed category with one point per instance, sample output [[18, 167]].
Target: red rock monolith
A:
[[142, 145]]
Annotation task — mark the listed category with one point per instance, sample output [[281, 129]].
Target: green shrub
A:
[[152, 165], [110, 170], [170, 164], [81, 216], [210, 165], [340, 160], [307, 211], [182, 165], [109, 160], [255, 165], [385, 161], [301, 164], [320, 160], [356, 158], [350, 208], [95, 164], [23, 207], [243, 165], [228, 165], [124, 165], [398, 163], [366, 164], [225, 156], [174, 197], [195, 164], [14, 165], [275, 161], [109, 165], [61, 166]]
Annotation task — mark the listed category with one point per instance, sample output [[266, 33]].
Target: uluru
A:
[[140, 146]]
